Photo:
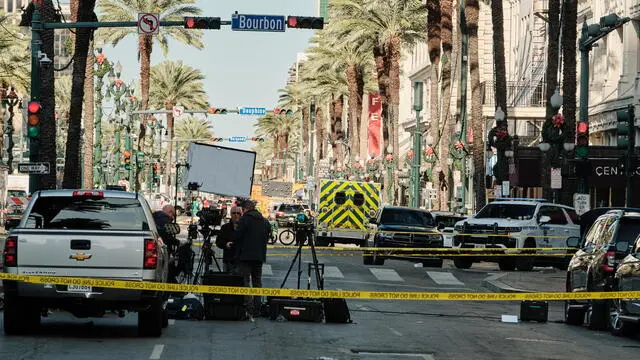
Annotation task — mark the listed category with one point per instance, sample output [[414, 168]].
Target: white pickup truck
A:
[[85, 233]]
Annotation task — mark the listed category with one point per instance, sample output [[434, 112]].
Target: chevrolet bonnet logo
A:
[[80, 256]]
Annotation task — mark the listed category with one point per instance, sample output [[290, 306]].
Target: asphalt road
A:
[[381, 329]]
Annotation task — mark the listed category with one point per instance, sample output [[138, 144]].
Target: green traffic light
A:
[[582, 151], [127, 167], [33, 131], [289, 112]]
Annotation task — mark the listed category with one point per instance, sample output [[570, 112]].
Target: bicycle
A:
[[288, 236]]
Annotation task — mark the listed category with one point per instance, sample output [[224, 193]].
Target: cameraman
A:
[[224, 240]]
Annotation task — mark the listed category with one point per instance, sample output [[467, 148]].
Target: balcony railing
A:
[[534, 99]]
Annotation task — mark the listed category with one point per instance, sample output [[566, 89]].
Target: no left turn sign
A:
[[148, 24]]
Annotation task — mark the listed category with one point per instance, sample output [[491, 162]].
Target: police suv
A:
[[517, 223]]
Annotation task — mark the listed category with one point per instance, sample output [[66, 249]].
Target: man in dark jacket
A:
[[250, 240], [162, 218], [224, 240]]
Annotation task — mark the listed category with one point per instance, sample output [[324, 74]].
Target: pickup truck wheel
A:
[[462, 263], [507, 265], [150, 320], [165, 318], [377, 260], [525, 263], [19, 317], [598, 315], [572, 316]]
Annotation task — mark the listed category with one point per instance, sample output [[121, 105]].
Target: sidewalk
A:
[[539, 280]]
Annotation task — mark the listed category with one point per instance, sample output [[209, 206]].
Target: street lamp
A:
[[500, 139], [103, 68], [390, 162], [417, 142], [10, 101]]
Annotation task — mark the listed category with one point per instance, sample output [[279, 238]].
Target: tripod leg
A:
[[314, 256], [291, 266]]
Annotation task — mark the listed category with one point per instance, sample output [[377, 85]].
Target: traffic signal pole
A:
[[34, 142], [590, 35]]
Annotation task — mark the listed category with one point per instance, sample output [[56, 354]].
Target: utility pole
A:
[[464, 52], [417, 141], [34, 142]]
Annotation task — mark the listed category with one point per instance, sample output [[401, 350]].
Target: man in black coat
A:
[[224, 240], [250, 240], [162, 218]]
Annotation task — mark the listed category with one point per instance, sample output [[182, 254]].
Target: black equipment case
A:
[[336, 311], [296, 309], [534, 311], [222, 306]]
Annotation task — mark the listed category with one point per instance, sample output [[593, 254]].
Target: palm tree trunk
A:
[[355, 83], [169, 162], [552, 83], [500, 172], [569, 19], [48, 101], [472, 12], [87, 121], [145, 47], [362, 140], [320, 121], [337, 135], [382, 71], [393, 53], [434, 43], [448, 126], [4, 90], [82, 11]]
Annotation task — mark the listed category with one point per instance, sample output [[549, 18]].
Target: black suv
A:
[[594, 265], [402, 227], [286, 213]]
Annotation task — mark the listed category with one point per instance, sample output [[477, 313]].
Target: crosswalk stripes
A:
[[444, 278], [386, 274], [266, 269], [332, 272]]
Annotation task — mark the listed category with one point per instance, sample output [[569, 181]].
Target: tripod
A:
[[314, 265], [207, 255]]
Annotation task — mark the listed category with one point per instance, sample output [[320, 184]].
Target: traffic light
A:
[[156, 173], [278, 111], [33, 119], [582, 140], [127, 160], [625, 127], [305, 22], [193, 22], [217, 111]]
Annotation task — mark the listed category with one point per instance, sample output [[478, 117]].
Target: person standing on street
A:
[[225, 239], [250, 240]]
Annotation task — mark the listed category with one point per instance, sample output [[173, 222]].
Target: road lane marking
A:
[[157, 352], [395, 332], [172, 321], [386, 274], [266, 269], [332, 272], [444, 278], [388, 354], [538, 340]]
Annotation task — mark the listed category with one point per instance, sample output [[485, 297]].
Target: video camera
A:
[[210, 217]]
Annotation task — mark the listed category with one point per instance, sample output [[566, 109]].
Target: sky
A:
[[242, 69]]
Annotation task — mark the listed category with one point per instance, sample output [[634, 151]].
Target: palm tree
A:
[[127, 10], [552, 83], [446, 26], [15, 63], [386, 26], [434, 44], [81, 11], [569, 19], [472, 13], [293, 96], [282, 129], [191, 127], [63, 102], [174, 82], [89, 112], [47, 141]]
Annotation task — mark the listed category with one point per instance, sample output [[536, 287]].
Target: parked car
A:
[[625, 313], [403, 227], [286, 213], [446, 221], [85, 233], [593, 266]]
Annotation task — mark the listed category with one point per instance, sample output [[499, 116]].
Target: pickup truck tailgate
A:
[[82, 253]]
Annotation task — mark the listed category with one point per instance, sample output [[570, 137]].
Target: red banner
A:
[[375, 124]]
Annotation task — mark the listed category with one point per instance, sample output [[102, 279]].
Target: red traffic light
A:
[[190, 23], [305, 22], [34, 107], [292, 21], [582, 127]]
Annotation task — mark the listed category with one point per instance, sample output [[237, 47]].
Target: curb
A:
[[495, 285]]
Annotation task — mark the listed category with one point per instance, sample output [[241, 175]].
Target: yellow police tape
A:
[[345, 294], [482, 235], [426, 255]]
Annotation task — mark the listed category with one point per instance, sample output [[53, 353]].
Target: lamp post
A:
[[417, 141], [458, 154], [10, 101], [554, 135], [500, 139], [116, 89], [103, 68], [312, 121], [390, 162]]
